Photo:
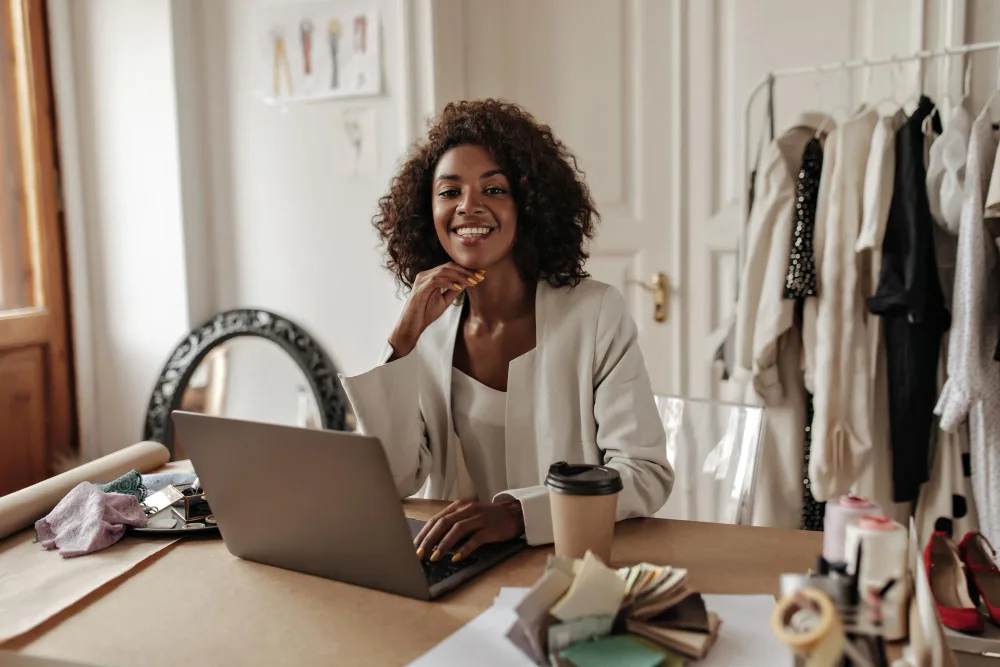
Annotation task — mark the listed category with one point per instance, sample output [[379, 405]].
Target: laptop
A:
[[319, 502]]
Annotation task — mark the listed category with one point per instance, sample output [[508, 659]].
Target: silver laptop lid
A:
[[319, 502]]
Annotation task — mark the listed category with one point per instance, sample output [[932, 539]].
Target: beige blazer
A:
[[583, 396]]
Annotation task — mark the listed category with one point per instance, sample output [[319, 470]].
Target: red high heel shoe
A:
[[981, 572], [949, 586]]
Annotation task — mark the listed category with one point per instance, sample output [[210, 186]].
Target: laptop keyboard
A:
[[444, 568]]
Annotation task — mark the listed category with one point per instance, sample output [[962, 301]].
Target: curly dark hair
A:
[[555, 213]]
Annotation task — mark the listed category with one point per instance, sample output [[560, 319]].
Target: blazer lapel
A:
[[520, 424]]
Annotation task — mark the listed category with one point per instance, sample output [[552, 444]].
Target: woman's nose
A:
[[469, 202]]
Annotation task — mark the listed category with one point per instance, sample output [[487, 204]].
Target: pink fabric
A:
[[88, 520]]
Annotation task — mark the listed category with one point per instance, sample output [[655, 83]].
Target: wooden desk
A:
[[251, 614]]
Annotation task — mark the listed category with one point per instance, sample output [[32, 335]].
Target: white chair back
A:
[[714, 449]]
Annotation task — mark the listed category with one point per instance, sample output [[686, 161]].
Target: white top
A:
[[479, 414], [946, 171]]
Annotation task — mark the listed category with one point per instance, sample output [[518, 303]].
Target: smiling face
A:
[[475, 215]]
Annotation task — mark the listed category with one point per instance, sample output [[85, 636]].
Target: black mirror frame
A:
[[316, 365]]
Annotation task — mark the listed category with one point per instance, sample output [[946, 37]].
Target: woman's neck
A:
[[503, 296]]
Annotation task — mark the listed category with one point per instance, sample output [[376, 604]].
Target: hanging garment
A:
[[973, 386], [722, 341], [992, 206], [768, 347], [910, 301], [810, 305], [947, 502], [841, 437], [875, 480], [992, 216], [800, 281], [946, 170]]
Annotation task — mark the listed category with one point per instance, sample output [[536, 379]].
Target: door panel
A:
[[24, 456], [588, 68], [36, 399]]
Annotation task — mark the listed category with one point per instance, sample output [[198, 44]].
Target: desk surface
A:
[[238, 612]]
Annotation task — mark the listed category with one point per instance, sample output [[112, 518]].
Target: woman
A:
[[506, 358]]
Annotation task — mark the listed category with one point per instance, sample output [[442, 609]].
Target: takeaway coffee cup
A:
[[583, 499]]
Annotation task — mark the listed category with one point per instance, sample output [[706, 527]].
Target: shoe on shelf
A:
[[946, 575], [980, 569]]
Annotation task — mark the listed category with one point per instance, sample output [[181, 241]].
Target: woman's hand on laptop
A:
[[480, 522]]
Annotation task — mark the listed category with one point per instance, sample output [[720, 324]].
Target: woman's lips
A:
[[470, 240]]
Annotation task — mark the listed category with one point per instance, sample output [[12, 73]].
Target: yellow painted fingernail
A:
[[482, 271], [457, 557], [457, 286], [436, 556], [420, 552], [472, 281], [480, 274]]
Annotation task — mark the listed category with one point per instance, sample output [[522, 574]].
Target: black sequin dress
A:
[[800, 282]]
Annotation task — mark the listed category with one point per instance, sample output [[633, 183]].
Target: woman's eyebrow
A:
[[447, 177], [492, 172]]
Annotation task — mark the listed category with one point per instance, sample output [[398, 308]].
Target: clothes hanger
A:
[[996, 90], [950, 106], [841, 107], [892, 97], [920, 89]]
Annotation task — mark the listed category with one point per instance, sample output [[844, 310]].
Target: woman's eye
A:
[[495, 190], [450, 192]]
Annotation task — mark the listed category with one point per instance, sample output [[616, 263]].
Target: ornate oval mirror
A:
[[248, 364]]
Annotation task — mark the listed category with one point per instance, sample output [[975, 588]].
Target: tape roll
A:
[[808, 623]]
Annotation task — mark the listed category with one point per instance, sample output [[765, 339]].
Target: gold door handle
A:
[[659, 287]]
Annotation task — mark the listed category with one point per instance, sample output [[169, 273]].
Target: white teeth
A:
[[473, 231]]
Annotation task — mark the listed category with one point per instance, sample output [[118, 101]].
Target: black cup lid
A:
[[581, 479]]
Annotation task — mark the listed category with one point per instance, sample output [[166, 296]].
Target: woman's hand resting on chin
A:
[[433, 291], [480, 522]]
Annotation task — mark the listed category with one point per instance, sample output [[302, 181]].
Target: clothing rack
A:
[[844, 65]]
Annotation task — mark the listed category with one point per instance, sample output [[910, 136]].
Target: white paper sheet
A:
[[746, 638], [484, 637]]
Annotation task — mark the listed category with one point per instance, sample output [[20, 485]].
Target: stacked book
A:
[[580, 608]]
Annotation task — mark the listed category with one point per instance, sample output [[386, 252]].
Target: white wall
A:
[[125, 231], [292, 233], [186, 195]]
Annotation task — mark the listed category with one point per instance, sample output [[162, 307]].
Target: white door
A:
[[649, 94]]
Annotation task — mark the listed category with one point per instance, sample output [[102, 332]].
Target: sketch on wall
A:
[[318, 51]]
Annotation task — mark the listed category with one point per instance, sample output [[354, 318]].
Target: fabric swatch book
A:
[[580, 601]]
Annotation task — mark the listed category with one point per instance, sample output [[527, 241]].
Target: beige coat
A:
[[841, 435], [584, 396], [768, 363]]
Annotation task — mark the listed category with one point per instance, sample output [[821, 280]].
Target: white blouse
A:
[[479, 414]]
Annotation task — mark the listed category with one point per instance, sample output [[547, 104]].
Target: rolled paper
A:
[[22, 508]]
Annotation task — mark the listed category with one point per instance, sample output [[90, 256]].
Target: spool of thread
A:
[[840, 513], [808, 623], [883, 547]]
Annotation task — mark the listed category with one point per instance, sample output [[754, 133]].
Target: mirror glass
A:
[[251, 378]]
